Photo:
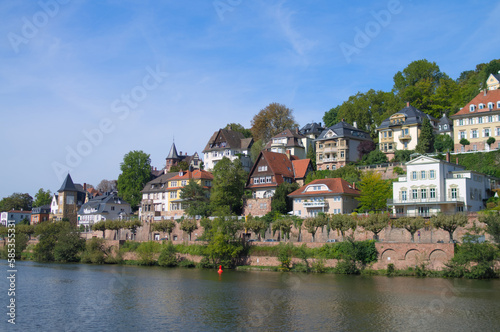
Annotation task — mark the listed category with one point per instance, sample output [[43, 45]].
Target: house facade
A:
[[330, 196], [105, 207], [401, 130], [478, 121], [40, 214], [445, 126], [230, 144], [70, 198], [14, 216], [161, 196], [338, 145], [431, 186], [289, 142], [269, 171]]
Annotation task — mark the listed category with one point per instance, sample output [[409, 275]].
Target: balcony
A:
[[425, 201], [328, 160], [404, 137], [314, 204], [327, 149]]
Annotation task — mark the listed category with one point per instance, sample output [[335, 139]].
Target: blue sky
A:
[[83, 82]]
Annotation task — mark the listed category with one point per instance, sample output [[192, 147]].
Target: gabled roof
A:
[[426, 159], [227, 139], [483, 97], [293, 139], [335, 186], [100, 203], [300, 167], [279, 164], [67, 185], [157, 182], [412, 116], [343, 129]]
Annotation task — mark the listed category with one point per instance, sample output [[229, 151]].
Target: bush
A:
[[129, 246], [146, 251], [318, 266], [346, 267], [168, 257], [300, 267], [390, 269], [187, 263], [285, 256], [473, 261]]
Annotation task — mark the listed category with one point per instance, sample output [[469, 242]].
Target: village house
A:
[[104, 207], [290, 142], [338, 145], [174, 159], [401, 130], [68, 200], [230, 144], [478, 121], [40, 214], [14, 216], [431, 186], [269, 171]]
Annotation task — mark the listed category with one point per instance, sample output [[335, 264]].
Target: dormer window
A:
[[498, 104], [490, 105], [481, 106], [472, 108], [445, 127]]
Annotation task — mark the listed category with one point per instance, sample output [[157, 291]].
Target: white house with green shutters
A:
[[431, 186]]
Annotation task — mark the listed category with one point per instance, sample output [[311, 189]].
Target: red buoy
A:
[[220, 269]]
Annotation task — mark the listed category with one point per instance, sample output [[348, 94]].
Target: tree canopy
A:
[[272, 120], [136, 172], [42, 197], [196, 201], [228, 185], [374, 192], [426, 139], [239, 128], [16, 201]]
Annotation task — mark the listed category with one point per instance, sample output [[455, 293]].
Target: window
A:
[[481, 106], [385, 134], [403, 195], [173, 194], [414, 175], [255, 180], [268, 179], [262, 168], [462, 134], [454, 193], [490, 118], [480, 119], [422, 175], [414, 194], [486, 132], [472, 108], [423, 193], [390, 134], [490, 105], [183, 182], [341, 154], [405, 145], [432, 193], [445, 126], [473, 133], [173, 184], [498, 104], [262, 180], [112, 208], [432, 174]]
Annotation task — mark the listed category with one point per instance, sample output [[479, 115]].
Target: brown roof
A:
[[492, 96], [279, 164], [335, 186], [232, 139], [300, 167]]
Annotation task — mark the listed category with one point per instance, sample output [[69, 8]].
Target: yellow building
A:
[[401, 130], [478, 121]]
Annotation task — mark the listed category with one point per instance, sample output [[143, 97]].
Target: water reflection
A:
[[109, 298]]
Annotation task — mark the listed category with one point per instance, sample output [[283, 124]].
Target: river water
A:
[[78, 297]]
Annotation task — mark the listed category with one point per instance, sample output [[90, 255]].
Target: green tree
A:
[[374, 157], [16, 201], [164, 226], [247, 133], [100, 226], [182, 166], [189, 225], [490, 141], [58, 241], [449, 222], [272, 120], [26, 229], [223, 248], [443, 143], [402, 156], [374, 192], [311, 154], [136, 172], [281, 203], [342, 223], [283, 226], [132, 226], [463, 142], [312, 224], [492, 221], [256, 148], [415, 72], [256, 225], [228, 185], [412, 225], [42, 198], [195, 200], [168, 256], [426, 139], [375, 223]]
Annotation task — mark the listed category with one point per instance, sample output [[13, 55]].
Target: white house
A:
[[230, 144], [104, 207], [14, 216], [431, 186]]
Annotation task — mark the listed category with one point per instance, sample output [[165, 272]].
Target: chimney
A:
[[180, 153], [296, 130], [447, 157], [354, 185], [407, 104], [485, 91], [186, 153], [84, 187]]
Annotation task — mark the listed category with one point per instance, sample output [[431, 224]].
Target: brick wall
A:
[[256, 206]]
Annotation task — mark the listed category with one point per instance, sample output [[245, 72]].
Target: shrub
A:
[[318, 266], [187, 263], [285, 256], [390, 269], [167, 256], [146, 251], [346, 267]]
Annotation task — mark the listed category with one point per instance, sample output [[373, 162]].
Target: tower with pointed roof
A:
[[174, 158], [70, 198]]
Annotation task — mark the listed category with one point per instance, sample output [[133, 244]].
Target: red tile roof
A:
[[300, 166], [335, 186], [492, 96], [196, 174], [279, 163]]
